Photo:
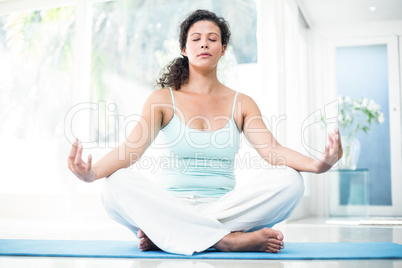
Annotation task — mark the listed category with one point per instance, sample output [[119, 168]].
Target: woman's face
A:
[[204, 47]]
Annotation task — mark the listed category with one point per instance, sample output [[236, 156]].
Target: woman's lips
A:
[[204, 55]]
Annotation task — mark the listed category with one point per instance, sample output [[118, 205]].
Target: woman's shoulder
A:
[[248, 105], [245, 99], [161, 95], [158, 100]]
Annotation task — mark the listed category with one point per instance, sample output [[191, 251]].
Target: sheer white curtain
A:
[[285, 95]]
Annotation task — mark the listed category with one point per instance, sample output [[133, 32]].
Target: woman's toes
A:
[[141, 234], [143, 247], [272, 250], [279, 235], [142, 244]]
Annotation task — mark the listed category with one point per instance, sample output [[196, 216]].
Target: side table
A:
[[348, 194]]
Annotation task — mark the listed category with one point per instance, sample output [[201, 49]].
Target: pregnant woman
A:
[[193, 203]]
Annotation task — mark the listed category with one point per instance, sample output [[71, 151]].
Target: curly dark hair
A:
[[176, 73]]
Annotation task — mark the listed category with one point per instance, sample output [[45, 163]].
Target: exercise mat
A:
[[129, 249]]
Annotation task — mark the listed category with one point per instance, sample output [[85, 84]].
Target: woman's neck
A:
[[202, 82]]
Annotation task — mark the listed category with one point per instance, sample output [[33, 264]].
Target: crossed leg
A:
[[229, 221], [264, 240]]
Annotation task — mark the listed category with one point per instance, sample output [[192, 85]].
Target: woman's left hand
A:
[[333, 152]]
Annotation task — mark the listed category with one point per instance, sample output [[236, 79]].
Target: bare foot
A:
[[265, 240], [145, 243]]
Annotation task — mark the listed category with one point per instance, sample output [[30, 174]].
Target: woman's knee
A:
[[281, 179], [121, 177], [294, 183], [115, 183], [125, 181]]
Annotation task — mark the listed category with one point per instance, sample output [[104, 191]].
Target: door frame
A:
[[394, 47]]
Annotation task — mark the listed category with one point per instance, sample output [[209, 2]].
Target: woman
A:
[[193, 204]]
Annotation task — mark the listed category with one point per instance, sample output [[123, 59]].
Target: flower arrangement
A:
[[358, 114], [355, 115]]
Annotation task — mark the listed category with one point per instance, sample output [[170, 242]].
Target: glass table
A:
[[348, 193]]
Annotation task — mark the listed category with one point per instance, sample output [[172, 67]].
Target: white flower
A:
[[364, 102], [354, 114], [381, 118], [356, 104], [373, 107]]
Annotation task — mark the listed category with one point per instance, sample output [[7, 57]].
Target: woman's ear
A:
[[223, 50], [184, 52]]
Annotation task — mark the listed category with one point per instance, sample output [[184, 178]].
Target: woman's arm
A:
[[270, 150], [129, 152]]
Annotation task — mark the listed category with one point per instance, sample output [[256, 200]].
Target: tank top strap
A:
[[171, 93], [234, 103]]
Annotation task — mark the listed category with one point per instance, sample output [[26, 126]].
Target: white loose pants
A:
[[188, 224]]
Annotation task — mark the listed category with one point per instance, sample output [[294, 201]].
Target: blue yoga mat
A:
[[128, 249]]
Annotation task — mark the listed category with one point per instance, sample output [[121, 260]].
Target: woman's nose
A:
[[204, 46]]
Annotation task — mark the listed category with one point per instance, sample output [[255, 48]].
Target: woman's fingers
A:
[[332, 153], [78, 159], [337, 136], [335, 152], [89, 164], [336, 130], [339, 144], [73, 151], [336, 144], [72, 156], [75, 163], [331, 140], [326, 154]]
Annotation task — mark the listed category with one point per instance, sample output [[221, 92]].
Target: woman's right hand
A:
[[82, 170]]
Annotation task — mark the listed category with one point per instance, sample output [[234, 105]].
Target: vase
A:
[[351, 152]]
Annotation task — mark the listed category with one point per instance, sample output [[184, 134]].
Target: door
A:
[[370, 68]]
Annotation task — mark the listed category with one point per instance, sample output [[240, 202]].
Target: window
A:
[[131, 43], [46, 54], [36, 85]]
